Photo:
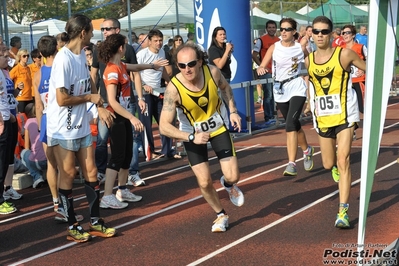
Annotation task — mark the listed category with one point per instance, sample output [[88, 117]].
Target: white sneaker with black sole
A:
[[11, 194], [126, 195], [235, 194], [220, 224], [135, 180], [110, 202]]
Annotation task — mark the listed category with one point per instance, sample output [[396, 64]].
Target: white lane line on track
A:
[[196, 198], [147, 178], [394, 124], [122, 225], [239, 241]]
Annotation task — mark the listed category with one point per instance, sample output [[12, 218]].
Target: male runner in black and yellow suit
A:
[[193, 94], [334, 106]]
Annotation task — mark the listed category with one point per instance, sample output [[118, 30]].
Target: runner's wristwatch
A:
[[191, 137]]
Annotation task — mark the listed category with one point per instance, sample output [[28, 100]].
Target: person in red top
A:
[[117, 84], [357, 75], [338, 39], [259, 51]]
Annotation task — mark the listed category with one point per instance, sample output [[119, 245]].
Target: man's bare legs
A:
[[205, 183]]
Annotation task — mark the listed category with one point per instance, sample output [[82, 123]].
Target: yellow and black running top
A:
[[200, 111]]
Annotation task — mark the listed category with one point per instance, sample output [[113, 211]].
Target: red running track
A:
[[284, 221]]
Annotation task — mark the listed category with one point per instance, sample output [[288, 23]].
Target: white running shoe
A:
[[220, 224], [111, 202], [235, 194], [100, 178], [11, 193], [135, 180], [126, 195]]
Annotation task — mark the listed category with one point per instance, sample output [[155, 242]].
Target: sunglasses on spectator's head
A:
[[25, 56], [287, 29], [323, 31], [189, 64], [39, 57], [108, 28]]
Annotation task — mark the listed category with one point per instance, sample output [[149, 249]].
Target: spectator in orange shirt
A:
[[36, 64], [22, 78]]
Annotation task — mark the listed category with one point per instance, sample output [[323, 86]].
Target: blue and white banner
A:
[[234, 17]]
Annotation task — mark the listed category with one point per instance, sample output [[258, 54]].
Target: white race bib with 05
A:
[[328, 105], [210, 125]]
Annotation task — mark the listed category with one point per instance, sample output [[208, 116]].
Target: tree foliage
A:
[[118, 9], [273, 6], [18, 9], [30, 10]]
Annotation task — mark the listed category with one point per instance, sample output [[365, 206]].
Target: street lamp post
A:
[[177, 17], [129, 22], [69, 9]]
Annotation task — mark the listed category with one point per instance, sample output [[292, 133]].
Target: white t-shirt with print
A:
[[287, 63], [150, 77], [69, 71]]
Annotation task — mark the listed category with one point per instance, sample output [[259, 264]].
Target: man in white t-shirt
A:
[[153, 95]]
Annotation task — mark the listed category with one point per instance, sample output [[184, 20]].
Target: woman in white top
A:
[[289, 91], [68, 129]]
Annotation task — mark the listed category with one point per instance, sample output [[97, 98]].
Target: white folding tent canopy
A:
[[56, 26], [27, 33], [161, 13], [277, 18], [256, 12], [305, 10], [16, 28]]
